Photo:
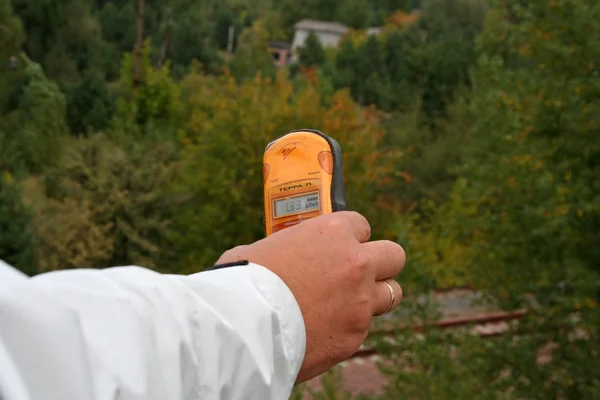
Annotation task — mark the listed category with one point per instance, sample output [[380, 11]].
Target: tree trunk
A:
[[139, 44], [166, 48]]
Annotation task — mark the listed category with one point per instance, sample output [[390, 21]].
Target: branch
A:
[[139, 44]]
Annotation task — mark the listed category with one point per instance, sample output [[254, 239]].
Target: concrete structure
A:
[[280, 51], [373, 30], [328, 33]]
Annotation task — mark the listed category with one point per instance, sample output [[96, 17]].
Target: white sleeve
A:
[[130, 333]]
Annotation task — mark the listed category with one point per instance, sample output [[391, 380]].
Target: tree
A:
[[252, 56], [373, 85], [36, 117], [101, 206], [312, 53], [139, 43], [345, 74], [355, 13], [152, 109], [90, 105], [524, 211], [402, 67], [41, 21], [444, 37], [117, 24], [192, 42], [62, 36], [17, 246], [293, 11], [11, 39]]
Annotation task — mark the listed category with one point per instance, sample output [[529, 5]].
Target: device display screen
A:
[[297, 204]]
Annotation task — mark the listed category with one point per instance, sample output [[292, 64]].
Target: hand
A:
[[336, 276]]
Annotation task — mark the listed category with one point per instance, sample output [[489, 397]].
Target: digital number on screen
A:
[[298, 204]]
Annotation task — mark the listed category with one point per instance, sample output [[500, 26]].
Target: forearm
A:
[[234, 333]]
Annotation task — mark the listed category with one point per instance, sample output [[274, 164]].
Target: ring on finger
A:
[[392, 298]]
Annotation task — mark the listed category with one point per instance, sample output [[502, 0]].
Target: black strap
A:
[[229, 264]]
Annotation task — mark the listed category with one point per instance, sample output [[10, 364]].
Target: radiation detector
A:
[[303, 178]]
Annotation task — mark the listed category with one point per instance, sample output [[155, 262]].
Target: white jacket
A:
[[129, 333]]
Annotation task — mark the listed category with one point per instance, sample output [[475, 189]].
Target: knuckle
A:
[[359, 262], [361, 221], [332, 224], [358, 215], [366, 226]]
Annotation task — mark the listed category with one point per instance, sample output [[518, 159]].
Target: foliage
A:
[[520, 222], [231, 123], [36, 118], [425, 55], [90, 105], [153, 108], [17, 246], [354, 13], [101, 206], [438, 256], [11, 39], [524, 215], [469, 132], [188, 43], [252, 56], [312, 54]]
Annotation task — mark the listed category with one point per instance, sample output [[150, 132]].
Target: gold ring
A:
[[392, 298]]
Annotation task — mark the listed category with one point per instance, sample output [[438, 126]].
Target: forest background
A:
[[132, 131]]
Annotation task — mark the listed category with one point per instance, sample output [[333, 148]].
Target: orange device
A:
[[303, 178]]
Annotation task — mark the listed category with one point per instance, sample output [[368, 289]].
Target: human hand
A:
[[336, 275]]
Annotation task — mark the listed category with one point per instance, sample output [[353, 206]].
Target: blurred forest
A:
[[132, 132]]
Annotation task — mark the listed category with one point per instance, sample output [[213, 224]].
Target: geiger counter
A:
[[303, 178]]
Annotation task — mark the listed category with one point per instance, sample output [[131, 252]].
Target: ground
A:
[[458, 307]]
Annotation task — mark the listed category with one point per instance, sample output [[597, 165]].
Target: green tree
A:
[[17, 246], [40, 22], [293, 11], [36, 115], [252, 54], [104, 205], [402, 67], [154, 108], [525, 210], [90, 105], [224, 19], [373, 85], [11, 39], [62, 36], [312, 53], [355, 13], [345, 74], [191, 42], [117, 27]]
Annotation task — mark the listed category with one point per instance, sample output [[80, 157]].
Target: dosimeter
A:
[[303, 178]]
